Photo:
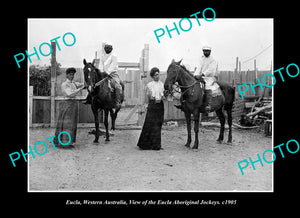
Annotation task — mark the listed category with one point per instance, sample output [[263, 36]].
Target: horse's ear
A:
[[84, 61], [179, 61], [93, 63], [173, 60]]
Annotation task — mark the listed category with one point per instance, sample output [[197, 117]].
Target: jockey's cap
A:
[[107, 43], [206, 47]]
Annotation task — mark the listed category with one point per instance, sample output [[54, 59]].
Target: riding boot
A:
[[118, 97], [208, 94], [88, 99]]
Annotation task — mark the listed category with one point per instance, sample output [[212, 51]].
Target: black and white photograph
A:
[[128, 112], [119, 105]]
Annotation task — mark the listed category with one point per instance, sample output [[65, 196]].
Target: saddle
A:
[[218, 86], [217, 90], [117, 89]]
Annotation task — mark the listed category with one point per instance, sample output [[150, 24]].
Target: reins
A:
[[180, 86], [100, 82]]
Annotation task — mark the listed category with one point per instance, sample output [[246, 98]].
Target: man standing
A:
[[208, 69]]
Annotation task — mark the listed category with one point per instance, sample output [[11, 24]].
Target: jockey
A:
[[109, 65], [207, 68]]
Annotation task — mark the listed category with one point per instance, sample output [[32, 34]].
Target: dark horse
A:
[[102, 97], [194, 103]]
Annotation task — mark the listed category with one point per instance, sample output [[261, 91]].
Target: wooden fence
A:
[[43, 110], [238, 77]]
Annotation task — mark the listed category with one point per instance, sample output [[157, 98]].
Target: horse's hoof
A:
[[96, 142], [195, 147], [219, 141], [187, 145], [107, 140], [229, 143]]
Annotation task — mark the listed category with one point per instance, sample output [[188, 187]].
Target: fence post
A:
[[53, 83], [146, 57], [144, 68], [235, 70], [255, 70], [30, 105]]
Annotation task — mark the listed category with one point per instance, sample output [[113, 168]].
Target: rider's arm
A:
[[211, 70], [113, 67]]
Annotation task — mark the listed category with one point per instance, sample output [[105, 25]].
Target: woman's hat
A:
[[70, 70]]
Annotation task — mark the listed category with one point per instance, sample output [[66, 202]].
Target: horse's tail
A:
[[123, 91], [230, 98]]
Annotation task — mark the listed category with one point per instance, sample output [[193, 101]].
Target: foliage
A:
[[40, 79]]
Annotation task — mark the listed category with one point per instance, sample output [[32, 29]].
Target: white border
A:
[[146, 191]]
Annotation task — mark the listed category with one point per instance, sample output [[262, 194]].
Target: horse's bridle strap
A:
[[100, 82]]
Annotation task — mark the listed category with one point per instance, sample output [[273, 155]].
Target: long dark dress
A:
[[150, 138], [67, 121]]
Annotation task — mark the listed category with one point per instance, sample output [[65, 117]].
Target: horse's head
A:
[[172, 75], [90, 74], [178, 73]]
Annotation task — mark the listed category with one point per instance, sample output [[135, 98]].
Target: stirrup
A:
[[208, 109], [86, 101]]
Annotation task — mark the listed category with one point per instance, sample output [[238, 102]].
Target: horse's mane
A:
[[186, 70], [101, 75], [181, 66]]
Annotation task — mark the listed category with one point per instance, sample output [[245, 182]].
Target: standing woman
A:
[[150, 138], [67, 118]]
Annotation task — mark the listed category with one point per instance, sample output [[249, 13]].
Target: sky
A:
[[229, 38]]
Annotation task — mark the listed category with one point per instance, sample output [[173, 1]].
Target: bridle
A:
[[181, 86], [94, 85]]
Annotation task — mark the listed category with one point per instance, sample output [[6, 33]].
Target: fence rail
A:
[[43, 110]]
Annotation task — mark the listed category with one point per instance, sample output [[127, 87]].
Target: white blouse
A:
[[69, 89], [156, 89]]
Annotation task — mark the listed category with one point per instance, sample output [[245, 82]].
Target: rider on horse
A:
[[109, 65], [208, 69]]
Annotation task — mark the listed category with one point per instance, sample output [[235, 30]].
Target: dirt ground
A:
[[119, 165]]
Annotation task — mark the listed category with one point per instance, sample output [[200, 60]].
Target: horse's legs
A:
[[229, 119], [113, 119], [113, 116], [106, 124], [95, 112], [196, 129], [188, 122], [222, 121]]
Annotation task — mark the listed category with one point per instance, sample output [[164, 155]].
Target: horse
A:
[[193, 101], [102, 97]]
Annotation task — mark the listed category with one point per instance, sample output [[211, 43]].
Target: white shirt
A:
[[108, 63], [69, 88], [208, 66], [156, 89]]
